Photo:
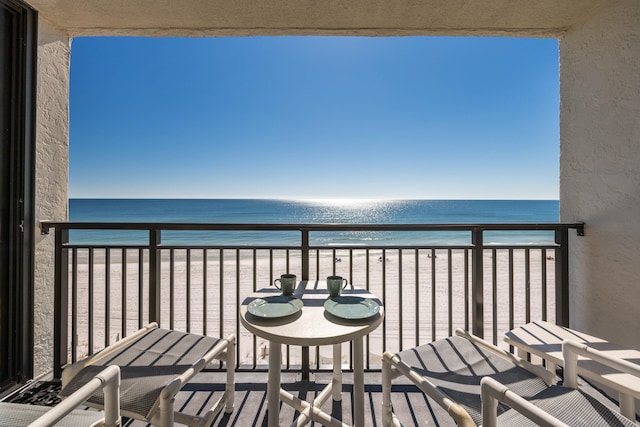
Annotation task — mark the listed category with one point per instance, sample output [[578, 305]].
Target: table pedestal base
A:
[[310, 411]]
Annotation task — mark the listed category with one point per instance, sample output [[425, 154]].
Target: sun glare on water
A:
[[345, 203]]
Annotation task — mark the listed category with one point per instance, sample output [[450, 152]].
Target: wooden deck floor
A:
[[250, 400], [411, 406]]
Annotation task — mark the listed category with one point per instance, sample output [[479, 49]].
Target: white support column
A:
[[52, 177]]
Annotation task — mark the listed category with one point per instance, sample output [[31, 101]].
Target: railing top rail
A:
[[426, 246], [62, 225]]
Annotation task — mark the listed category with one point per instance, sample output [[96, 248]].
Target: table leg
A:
[[358, 383], [337, 372], [273, 387]]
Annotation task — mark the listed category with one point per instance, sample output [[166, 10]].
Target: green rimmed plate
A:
[[275, 306], [351, 307]]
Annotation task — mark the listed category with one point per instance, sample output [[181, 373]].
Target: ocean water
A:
[[312, 212]]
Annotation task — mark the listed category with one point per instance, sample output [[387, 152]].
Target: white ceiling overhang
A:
[[529, 18]]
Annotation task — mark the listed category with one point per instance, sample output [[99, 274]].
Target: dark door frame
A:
[[17, 189]]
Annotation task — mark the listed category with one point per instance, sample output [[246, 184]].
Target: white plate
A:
[[352, 307], [275, 306]]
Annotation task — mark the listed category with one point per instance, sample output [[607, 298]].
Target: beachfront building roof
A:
[[599, 113]]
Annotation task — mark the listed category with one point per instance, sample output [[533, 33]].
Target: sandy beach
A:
[[201, 293]]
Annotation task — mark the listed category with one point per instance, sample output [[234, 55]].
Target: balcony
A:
[[428, 290]]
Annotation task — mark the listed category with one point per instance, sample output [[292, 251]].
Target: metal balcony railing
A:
[[104, 292]]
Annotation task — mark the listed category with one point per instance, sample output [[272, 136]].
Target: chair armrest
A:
[[458, 413], [492, 392], [548, 377], [572, 349], [217, 351], [108, 380], [70, 371]]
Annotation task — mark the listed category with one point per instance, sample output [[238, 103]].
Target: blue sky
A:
[[314, 117]]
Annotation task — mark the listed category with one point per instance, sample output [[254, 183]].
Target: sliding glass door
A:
[[18, 47]]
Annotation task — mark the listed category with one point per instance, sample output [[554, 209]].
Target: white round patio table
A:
[[312, 325]]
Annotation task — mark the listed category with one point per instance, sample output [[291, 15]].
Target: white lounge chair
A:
[[557, 406], [66, 412], [544, 339], [155, 364], [450, 370]]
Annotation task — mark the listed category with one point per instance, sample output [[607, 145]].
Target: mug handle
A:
[[345, 283], [274, 284]]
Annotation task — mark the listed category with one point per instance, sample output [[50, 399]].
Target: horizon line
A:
[[312, 199]]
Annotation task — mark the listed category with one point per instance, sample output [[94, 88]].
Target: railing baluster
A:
[[90, 311], [305, 254], [350, 265], [107, 296], [172, 292], [237, 293], [450, 289], [205, 299], [123, 296], [543, 274], [527, 281], [333, 257], [367, 269], [494, 295], [416, 296], [400, 305], [271, 278], [221, 294], [466, 289], [255, 271], [140, 288], [317, 348], [433, 295], [287, 259], [154, 275], [477, 279], [188, 288], [511, 293]]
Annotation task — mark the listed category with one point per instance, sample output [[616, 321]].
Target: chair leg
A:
[[166, 411], [166, 414]]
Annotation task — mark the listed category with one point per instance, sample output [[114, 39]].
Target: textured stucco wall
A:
[[600, 170], [52, 154]]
